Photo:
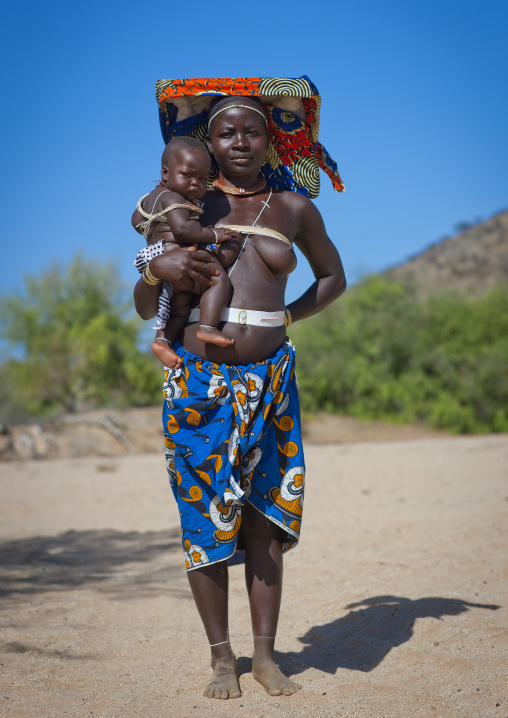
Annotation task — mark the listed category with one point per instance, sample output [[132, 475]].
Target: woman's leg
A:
[[263, 573], [209, 587]]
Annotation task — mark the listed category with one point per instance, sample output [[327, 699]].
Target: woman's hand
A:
[[176, 265]]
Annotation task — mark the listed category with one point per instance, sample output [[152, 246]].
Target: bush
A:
[[380, 354], [74, 332], [375, 354]]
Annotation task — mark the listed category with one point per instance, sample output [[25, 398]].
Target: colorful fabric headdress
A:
[[292, 105]]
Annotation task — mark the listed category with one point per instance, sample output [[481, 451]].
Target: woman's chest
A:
[[274, 247], [259, 210], [278, 256]]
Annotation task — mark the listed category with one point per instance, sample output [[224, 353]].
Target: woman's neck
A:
[[242, 191], [240, 182]]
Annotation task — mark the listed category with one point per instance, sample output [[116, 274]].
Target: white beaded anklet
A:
[[162, 339], [221, 642]]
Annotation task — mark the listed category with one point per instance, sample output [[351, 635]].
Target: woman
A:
[[231, 414]]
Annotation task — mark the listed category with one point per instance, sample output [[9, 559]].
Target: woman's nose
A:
[[241, 141]]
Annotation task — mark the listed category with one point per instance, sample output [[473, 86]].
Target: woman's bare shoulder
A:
[[300, 207], [297, 202]]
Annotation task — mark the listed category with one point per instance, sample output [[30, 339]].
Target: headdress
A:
[[292, 105]]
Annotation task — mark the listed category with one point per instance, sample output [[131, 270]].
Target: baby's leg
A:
[[163, 350], [162, 347], [213, 301]]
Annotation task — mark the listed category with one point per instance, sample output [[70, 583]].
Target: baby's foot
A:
[[224, 683], [268, 673], [166, 354], [211, 335]]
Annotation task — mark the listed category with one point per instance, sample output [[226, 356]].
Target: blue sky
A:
[[414, 111]]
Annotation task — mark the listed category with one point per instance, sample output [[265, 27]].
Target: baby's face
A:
[[188, 173]]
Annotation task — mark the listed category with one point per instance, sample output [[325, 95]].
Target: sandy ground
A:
[[395, 601]]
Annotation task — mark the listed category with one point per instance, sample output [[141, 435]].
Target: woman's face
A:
[[238, 139]]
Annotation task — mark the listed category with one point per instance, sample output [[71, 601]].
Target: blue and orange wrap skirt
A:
[[233, 433]]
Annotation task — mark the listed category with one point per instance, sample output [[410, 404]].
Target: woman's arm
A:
[[324, 260], [175, 265]]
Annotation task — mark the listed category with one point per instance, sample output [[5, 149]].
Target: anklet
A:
[[207, 326], [264, 636], [162, 339], [220, 643]]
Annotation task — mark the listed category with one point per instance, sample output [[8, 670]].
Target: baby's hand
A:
[[223, 234]]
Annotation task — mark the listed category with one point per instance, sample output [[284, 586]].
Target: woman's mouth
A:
[[241, 160]]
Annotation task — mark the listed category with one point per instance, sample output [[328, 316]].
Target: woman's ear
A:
[[208, 141]]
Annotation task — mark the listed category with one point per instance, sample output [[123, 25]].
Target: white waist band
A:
[[246, 316]]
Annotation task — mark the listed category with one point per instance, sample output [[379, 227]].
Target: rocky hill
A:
[[473, 261]]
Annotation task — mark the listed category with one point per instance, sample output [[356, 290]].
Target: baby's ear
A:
[[164, 173]]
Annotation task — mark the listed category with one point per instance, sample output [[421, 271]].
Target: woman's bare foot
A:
[[267, 672], [212, 335], [224, 683], [166, 354]]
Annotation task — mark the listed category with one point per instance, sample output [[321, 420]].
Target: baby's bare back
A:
[[157, 205]]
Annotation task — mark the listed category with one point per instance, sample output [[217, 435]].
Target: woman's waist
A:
[[243, 315], [252, 343]]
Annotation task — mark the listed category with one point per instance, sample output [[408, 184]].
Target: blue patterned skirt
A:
[[233, 433]]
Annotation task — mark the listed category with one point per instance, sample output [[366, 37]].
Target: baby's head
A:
[[185, 168]]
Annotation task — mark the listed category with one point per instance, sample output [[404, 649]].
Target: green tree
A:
[[76, 337], [380, 354]]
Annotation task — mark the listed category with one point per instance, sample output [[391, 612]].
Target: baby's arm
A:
[[189, 231]]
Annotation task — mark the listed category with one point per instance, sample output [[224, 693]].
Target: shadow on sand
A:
[[125, 564], [364, 637]]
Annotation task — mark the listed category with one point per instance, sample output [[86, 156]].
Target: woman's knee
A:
[[256, 527]]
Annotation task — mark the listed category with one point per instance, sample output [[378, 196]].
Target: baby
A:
[[168, 214]]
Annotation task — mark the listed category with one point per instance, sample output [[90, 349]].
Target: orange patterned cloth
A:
[[233, 434], [292, 105]]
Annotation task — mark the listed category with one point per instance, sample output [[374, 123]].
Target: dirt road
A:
[[395, 601]]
